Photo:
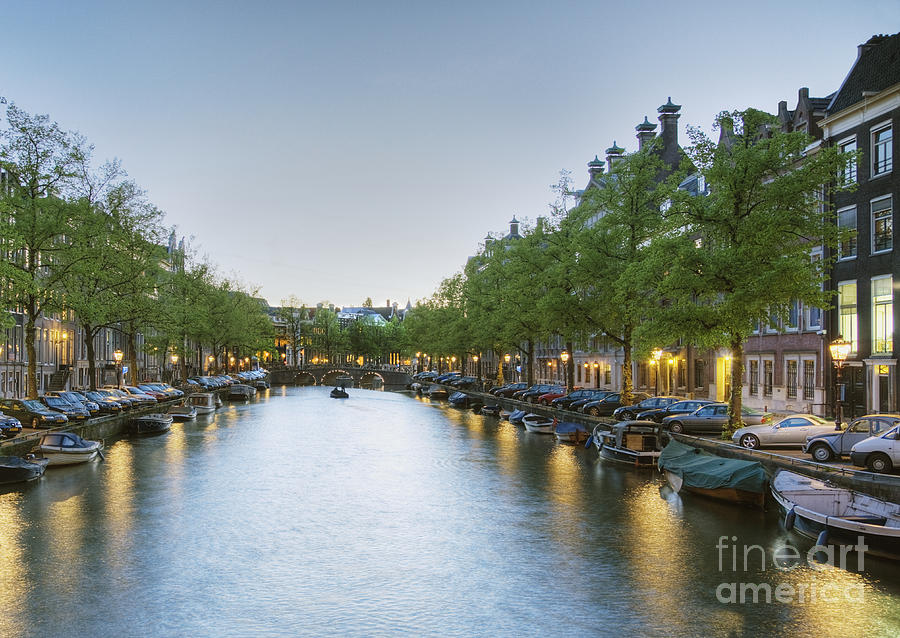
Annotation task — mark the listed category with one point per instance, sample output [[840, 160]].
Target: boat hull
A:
[[729, 494], [539, 427], [22, 472], [147, 426], [629, 457], [58, 457]]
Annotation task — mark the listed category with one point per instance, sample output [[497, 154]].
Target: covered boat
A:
[[203, 402], [516, 416], [490, 410], [539, 424], [694, 470], [837, 515], [67, 448], [15, 469], [436, 392], [150, 424], [570, 432], [631, 442], [241, 392]]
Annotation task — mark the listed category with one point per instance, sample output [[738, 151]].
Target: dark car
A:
[[531, 394], [825, 447], [32, 412], [447, 376], [75, 398], [679, 407], [578, 404], [548, 397], [563, 402], [9, 426], [74, 412], [628, 412], [608, 404], [121, 397], [710, 418], [463, 382], [107, 404], [508, 390]]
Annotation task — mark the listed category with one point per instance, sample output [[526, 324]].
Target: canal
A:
[[382, 514]]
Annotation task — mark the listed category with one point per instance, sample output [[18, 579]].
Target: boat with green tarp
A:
[[694, 470]]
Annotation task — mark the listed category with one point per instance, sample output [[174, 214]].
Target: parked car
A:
[[710, 418], [880, 453], [32, 412], [548, 397], [75, 398], [108, 405], [831, 445], [608, 404], [142, 397], [122, 397], [564, 402], [578, 404], [679, 407], [791, 431], [10, 426], [463, 382], [72, 411], [508, 390], [447, 376], [629, 412], [531, 394]]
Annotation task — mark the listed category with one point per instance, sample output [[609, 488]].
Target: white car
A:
[[791, 431], [880, 453]]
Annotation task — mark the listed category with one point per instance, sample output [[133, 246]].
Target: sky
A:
[[342, 150]]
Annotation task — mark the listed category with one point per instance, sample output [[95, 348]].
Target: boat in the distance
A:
[[697, 471], [204, 402], [15, 469], [67, 448], [634, 443], [436, 392], [539, 424], [241, 392], [184, 412], [570, 432], [339, 393], [837, 515], [490, 410], [150, 424]]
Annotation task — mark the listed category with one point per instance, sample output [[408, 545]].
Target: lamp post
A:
[[839, 351], [596, 367], [174, 359], [564, 356], [477, 369], [657, 355], [117, 356], [209, 366]]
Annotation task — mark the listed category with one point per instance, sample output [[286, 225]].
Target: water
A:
[[378, 515]]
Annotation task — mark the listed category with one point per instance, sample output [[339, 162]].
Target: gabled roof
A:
[[877, 67]]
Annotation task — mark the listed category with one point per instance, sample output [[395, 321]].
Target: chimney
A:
[[668, 131], [646, 131], [514, 227], [871, 43], [387, 303], [613, 154], [595, 167]]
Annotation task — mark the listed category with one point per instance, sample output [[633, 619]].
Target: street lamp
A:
[[117, 355], [174, 359], [564, 355], [657, 355], [210, 359], [840, 349]]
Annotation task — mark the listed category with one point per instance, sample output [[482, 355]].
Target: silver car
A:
[[791, 431]]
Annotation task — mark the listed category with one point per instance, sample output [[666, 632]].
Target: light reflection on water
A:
[[380, 515]]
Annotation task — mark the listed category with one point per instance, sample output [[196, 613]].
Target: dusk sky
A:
[[344, 150]]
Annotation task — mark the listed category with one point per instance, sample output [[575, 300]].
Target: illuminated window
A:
[[848, 318], [791, 379], [754, 378], [768, 368], [882, 315]]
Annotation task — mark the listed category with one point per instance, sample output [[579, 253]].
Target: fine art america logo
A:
[[741, 559]]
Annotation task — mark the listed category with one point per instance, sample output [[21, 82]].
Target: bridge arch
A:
[[305, 378], [332, 377], [372, 380]]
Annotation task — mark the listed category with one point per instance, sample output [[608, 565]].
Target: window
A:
[[882, 224], [809, 379], [791, 379], [607, 374], [882, 315], [847, 319], [882, 150], [847, 174], [699, 373], [767, 378], [754, 378], [846, 221], [793, 316]]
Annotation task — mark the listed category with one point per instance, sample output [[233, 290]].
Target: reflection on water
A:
[[295, 514]]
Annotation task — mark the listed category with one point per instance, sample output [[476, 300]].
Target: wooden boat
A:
[[569, 432], [67, 448], [634, 443], [241, 392], [539, 424], [837, 515], [697, 471], [203, 402], [15, 469], [339, 393], [150, 424], [182, 412]]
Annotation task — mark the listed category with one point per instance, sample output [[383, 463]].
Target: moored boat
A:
[[241, 392], [150, 424], [67, 448], [515, 417], [436, 392], [634, 443], [15, 469], [539, 424], [694, 470], [570, 432], [490, 410], [837, 515], [184, 412], [203, 402]]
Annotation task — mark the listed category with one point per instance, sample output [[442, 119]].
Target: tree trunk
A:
[[737, 376], [627, 378], [132, 356], [31, 385], [570, 368], [529, 374], [91, 355]]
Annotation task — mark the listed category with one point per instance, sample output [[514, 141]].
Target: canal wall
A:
[[883, 486]]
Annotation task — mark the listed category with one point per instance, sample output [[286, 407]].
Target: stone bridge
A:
[[332, 375]]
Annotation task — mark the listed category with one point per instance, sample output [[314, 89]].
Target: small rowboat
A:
[[67, 448], [569, 432], [539, 424]]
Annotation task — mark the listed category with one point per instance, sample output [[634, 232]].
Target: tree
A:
[[292, 315], [744, 250], [37, 219]]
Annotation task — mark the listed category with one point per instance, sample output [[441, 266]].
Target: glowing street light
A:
[[840, 350]]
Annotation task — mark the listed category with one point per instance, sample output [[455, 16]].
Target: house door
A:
[[854, 404]]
